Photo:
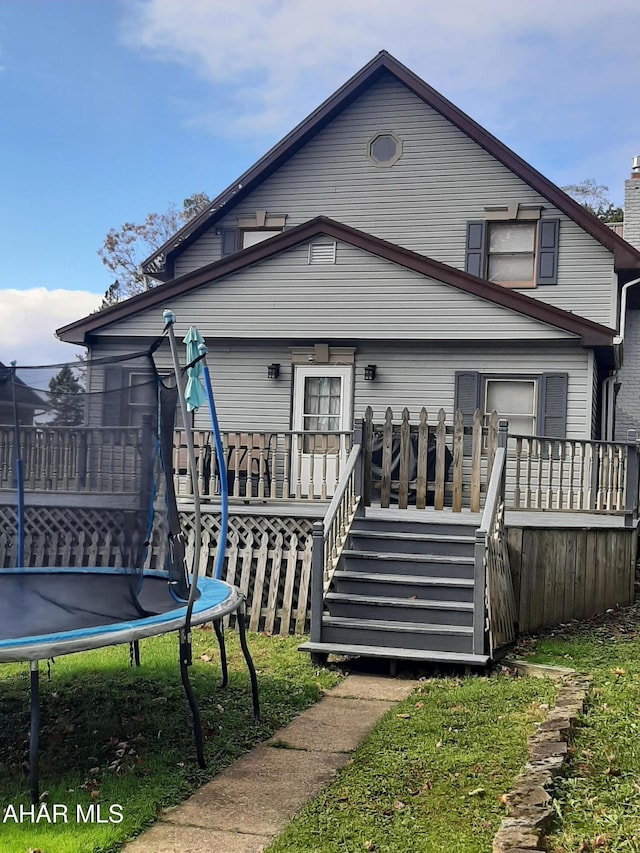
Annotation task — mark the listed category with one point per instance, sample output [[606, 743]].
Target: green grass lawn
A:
[[430, 776], [112, 735], [598, 800]]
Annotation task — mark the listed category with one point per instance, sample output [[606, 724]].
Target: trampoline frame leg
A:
[[224, 672], [134, 653], [34, 733], [242, 633], [185, 662]]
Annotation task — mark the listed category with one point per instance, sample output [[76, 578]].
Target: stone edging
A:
[[528, 803]]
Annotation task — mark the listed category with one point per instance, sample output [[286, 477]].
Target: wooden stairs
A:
[[403, 590]]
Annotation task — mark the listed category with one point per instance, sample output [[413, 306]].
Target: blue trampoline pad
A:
[[46, 612]]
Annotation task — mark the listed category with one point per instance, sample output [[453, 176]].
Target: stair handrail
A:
[[330, 534], [491, 556]]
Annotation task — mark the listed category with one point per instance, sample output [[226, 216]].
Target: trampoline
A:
[[111, 441]]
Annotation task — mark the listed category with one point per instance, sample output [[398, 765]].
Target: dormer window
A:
[[514, 246], [251, 230], [510, 252], [251, 236]]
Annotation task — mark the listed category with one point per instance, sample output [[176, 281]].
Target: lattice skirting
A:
[[267, 557]]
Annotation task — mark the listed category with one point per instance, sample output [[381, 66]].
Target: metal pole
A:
[[170, 318], [19, 473], [34, 734], [222, 468]]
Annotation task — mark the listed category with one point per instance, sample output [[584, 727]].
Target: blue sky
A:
[[112, 109]]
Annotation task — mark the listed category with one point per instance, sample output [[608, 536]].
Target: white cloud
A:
[[271, 61], [29, 318]]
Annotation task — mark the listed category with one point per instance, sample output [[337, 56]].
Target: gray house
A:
[[390, 252]]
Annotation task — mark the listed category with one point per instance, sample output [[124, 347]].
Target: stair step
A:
[[420, 565], [408, 580], [430, 524], [390, 533], [414, 603], [396, 634], [411, 558], [415, 543], [400, 610], [399, 586], [418, 655]]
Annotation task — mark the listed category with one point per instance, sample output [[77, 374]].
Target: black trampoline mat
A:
[[33, 603]]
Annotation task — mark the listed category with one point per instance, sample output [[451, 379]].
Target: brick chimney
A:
[[632, 205]]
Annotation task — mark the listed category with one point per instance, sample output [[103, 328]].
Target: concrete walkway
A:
[[251, 802]]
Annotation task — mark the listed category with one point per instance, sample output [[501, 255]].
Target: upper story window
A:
[[385, 149], [514, 246], [510, 252], [251, 236], [251, 229]]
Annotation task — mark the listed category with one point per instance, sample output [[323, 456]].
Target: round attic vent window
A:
[[385, 149]]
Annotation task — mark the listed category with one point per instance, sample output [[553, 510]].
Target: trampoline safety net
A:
[[87, 500]]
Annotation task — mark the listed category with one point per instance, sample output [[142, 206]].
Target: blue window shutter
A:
[[468, 384], [552, 405], [547, 253], [229, 241], [475, 251]]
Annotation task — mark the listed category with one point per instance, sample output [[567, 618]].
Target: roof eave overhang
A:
[[589, 333]]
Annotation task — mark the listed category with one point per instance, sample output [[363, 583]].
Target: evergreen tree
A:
[[66, 397]]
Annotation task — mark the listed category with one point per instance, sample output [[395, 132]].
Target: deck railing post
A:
[[633, 460], [359, 476], [367, 446], [503, 440], [82, 460], [479, 594], [317, 581]]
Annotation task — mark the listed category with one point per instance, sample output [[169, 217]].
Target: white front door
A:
[[322, 407]]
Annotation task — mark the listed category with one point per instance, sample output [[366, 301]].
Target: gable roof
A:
[[590, 333], [160, 263], [25, 396]]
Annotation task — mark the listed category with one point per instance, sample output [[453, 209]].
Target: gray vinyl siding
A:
[[412, 375], [360, 296], [424, 376], [423, 202]]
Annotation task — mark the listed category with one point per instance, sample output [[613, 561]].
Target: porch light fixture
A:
[[273, 371], [370, 372]]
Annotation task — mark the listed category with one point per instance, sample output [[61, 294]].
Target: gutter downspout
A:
[[608, 391]]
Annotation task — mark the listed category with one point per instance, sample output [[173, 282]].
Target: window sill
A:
[[516, 285]]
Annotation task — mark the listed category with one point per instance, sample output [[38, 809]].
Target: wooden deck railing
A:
[[74, 459], [330, 534], [436, 464], [572, 475], [493, 589], [266, 466]]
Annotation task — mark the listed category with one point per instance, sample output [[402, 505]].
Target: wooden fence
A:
[[437, 464], [265, 466], [560, 574], [84, 460], [269, 559]]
